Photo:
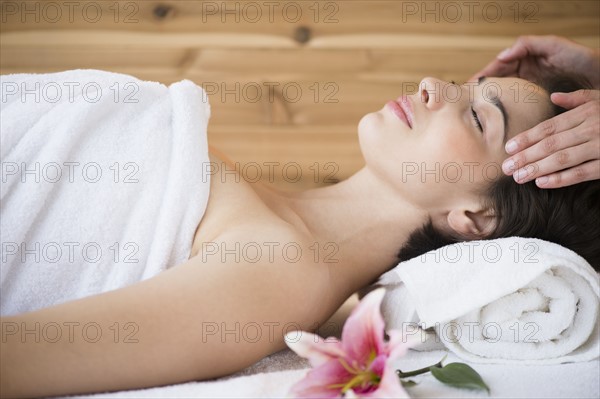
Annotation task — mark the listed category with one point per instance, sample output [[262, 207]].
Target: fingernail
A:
[[508, 166], [541, 181], [511, 146], [504, 53], [522, 173], [519, 174]]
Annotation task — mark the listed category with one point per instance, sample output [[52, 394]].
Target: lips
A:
[[402, 108]]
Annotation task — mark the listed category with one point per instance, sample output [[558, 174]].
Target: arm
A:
[[175, 333]]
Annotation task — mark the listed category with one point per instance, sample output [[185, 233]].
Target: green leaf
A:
[[408, 383], [459, 375]]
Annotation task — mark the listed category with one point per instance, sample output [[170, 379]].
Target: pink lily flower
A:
[[360, 365]]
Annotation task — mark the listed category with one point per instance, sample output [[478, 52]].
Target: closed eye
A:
[[476, 119]]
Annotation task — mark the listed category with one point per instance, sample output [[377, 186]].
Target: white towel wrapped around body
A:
[[104, 182], [510, 300]]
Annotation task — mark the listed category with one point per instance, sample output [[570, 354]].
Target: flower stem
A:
[[419, 371]]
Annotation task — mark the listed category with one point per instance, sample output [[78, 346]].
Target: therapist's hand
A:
[[532, 56], [563, 150]]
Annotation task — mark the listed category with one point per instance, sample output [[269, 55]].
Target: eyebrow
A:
[[496, 101]]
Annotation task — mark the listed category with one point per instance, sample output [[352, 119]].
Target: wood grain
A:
[[287, 83]]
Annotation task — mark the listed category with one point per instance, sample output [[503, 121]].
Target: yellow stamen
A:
[[372, 356], [351, 370], [361, 377], [357, 380]]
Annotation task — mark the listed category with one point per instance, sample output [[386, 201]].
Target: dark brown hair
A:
[[568, 216]]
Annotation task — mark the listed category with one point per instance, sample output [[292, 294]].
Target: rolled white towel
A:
[[509, 300]]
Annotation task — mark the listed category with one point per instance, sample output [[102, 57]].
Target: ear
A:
[[472, 224]]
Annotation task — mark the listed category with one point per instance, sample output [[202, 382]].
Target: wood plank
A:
[[68, 38], [305, 60], [428, 41], [97, 57], [322, 154], [323, 18], [252, 65]]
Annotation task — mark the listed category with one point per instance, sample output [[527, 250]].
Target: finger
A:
[[556, 162], [529, 46], [574, 99], [544, 149], [559, 123], [497, 68], [586, 171]]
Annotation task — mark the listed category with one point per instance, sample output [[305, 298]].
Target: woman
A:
[[430, 159]]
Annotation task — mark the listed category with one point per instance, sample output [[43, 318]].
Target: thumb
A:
[[532, 46], [574, 99]]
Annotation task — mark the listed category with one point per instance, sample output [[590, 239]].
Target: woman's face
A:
[[440, 155], [441, 147]]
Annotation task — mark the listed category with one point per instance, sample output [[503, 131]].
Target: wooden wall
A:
[[336, 60]]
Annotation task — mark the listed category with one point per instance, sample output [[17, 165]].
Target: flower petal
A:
[[398, 343], [389, 386], [378, 365], [314, 348], [317, 381], [364, 329], [351, 395]]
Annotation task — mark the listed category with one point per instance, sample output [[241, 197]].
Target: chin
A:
[[374, 137], [371, 123], [367, 130]]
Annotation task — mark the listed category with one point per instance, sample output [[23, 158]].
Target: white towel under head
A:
[[149, 143], [510, 300]]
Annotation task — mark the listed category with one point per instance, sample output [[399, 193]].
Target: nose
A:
[[431, 92]]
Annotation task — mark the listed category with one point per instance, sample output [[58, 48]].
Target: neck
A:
[[361, 222]]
